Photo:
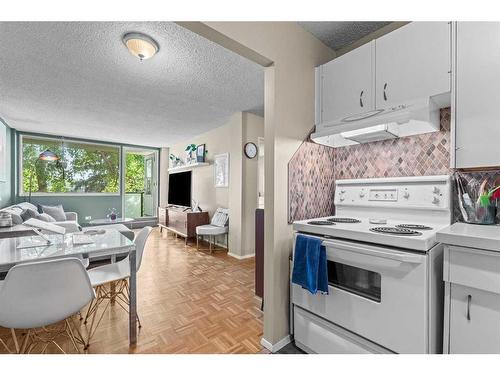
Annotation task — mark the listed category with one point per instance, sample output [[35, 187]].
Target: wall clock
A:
[[250, 150]]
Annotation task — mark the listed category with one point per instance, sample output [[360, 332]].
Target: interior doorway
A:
[[140, 182]]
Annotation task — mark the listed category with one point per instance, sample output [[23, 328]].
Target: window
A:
[[82, 167], [355, 280]]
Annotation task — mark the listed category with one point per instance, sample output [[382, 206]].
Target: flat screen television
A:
[[179, 189]]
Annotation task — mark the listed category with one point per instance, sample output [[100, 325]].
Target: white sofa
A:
[[71, 222]]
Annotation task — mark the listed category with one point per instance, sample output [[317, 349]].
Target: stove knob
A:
[[436, 190], [406, 195], [435, 200], [342, 191], [342, 199], [361, 195]]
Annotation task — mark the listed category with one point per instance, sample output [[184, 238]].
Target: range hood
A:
[[416, 117]]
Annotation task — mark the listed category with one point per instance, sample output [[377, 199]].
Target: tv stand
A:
[[181, 221]]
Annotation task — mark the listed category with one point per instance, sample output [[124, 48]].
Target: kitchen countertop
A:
[[485, 237]]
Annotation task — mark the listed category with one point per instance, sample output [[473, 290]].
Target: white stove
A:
[[404, 212], [384, 269]]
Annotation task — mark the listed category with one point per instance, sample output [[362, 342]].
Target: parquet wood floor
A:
[[189, 302]]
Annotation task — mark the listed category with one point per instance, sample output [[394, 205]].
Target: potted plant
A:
[[189, 151], [175, 160]]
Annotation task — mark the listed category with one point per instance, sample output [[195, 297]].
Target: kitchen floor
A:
[[188, 301]]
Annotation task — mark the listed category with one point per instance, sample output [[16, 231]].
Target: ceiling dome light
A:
[[140, 45]]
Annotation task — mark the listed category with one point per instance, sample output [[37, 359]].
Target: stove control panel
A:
[[408, 192], [383, 195]]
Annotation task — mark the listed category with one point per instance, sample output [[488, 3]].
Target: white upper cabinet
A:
[[346, 84], [413, 62], [477, 97], [410, 63]]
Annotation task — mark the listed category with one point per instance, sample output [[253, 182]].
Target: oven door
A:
[[376, 292]]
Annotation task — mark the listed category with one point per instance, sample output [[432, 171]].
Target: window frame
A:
[[22, 193]]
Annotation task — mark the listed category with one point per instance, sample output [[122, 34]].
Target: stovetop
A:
[[404, 212], [408, 238]]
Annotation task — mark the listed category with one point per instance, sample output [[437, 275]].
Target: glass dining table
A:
[[110, 243]]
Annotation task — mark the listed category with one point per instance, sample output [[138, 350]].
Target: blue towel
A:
[[309, 264]]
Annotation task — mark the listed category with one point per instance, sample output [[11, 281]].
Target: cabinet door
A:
[[347, 84], [477, 128], [474, 321], [413, 62]]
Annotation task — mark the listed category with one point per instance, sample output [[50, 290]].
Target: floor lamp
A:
[[47, 155]]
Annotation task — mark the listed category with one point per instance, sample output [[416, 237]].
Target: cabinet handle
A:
[[385, 94], [469, 299], [361, 99]]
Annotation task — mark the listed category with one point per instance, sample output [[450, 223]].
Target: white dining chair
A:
[[111, 285], [13, 334], [35, 296]]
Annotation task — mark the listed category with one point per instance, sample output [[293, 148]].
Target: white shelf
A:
[[187, 167]]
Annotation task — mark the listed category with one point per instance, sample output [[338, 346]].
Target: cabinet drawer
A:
[[320, 336], [472, 267], [474, 317]]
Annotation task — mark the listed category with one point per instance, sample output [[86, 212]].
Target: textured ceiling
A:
[[78, 79], [340, 34]]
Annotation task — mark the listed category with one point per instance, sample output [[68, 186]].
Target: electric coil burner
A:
[[397, 231], [343, 220], [414, 226], [320, 222]]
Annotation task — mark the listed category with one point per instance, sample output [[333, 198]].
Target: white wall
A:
[[253, 129], [241, 195]]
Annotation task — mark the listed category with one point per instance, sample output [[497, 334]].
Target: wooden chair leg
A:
[[16, 343], [197, 243], [210, 243], [227, 242]]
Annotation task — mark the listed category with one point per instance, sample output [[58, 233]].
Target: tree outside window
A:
[[82, 168]]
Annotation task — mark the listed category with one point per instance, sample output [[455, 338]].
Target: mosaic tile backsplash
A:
[[311, 182], [420, 155], [314, 168]]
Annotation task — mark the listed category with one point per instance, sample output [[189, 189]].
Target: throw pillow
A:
[[26, 205], [28, 214], [57, 212], [15, 214], [46, 217]]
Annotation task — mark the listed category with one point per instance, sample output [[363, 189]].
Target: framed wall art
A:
[[221, 170]]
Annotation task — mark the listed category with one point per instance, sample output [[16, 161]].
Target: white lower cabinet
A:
[[474, 321], [472, 301]]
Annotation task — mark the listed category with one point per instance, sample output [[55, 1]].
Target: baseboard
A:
[[241, 257], [279, 345]]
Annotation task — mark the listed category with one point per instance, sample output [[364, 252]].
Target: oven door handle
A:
[[375, 252]]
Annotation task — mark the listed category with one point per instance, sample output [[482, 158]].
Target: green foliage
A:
[[82, 168], [134, 176], [191, 148]]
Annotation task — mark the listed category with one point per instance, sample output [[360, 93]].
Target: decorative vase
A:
[[112, 214]]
